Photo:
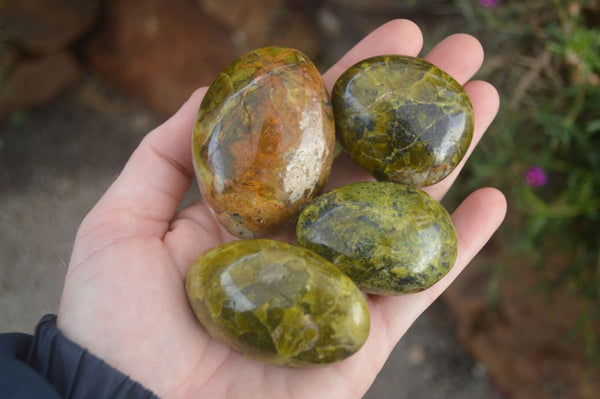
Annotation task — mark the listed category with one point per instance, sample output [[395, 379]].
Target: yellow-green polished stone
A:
[[278, 303], [263, 141], [390, 238], [402, 119]]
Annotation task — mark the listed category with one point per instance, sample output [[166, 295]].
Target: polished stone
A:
[[390, 238], [402, 119], [264, 140], [278, 303]]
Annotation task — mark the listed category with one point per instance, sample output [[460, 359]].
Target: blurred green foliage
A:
[[543, 150]]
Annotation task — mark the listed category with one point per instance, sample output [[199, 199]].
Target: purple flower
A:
[[488, 3], [536, 177]]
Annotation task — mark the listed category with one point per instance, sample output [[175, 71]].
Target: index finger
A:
[[400, 36]]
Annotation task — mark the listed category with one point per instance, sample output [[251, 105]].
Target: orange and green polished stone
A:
[[402, 119], [263, 141], [278, 303], [390, 238]]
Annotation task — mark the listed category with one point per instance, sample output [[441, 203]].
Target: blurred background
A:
[[81, 82]]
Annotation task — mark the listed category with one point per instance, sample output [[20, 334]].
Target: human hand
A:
[[124, 297]]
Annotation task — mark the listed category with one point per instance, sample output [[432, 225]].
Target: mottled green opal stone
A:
[[278, 303], [402, 119], [390, 238], [263, 141]]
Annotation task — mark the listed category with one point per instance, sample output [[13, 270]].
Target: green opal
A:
[[402, 119], [278, 303], [390, 238], [263, 141]]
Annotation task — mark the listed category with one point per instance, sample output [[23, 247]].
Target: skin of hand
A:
[[124, 297]]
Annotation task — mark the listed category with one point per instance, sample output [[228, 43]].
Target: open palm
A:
[[124, 296]]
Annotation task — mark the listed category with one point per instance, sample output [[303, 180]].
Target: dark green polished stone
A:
[[402, 119], [390, 238], [278, 303], [263, 141]]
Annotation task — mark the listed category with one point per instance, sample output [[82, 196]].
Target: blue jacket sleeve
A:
[[48, 365]]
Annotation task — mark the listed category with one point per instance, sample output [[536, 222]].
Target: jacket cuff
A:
[[73, 371]]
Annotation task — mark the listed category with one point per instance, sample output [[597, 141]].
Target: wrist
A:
[[74, 371]]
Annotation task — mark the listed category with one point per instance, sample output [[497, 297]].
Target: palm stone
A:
[[263, 142], [278, 303], [390, 238], [402, 119]]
